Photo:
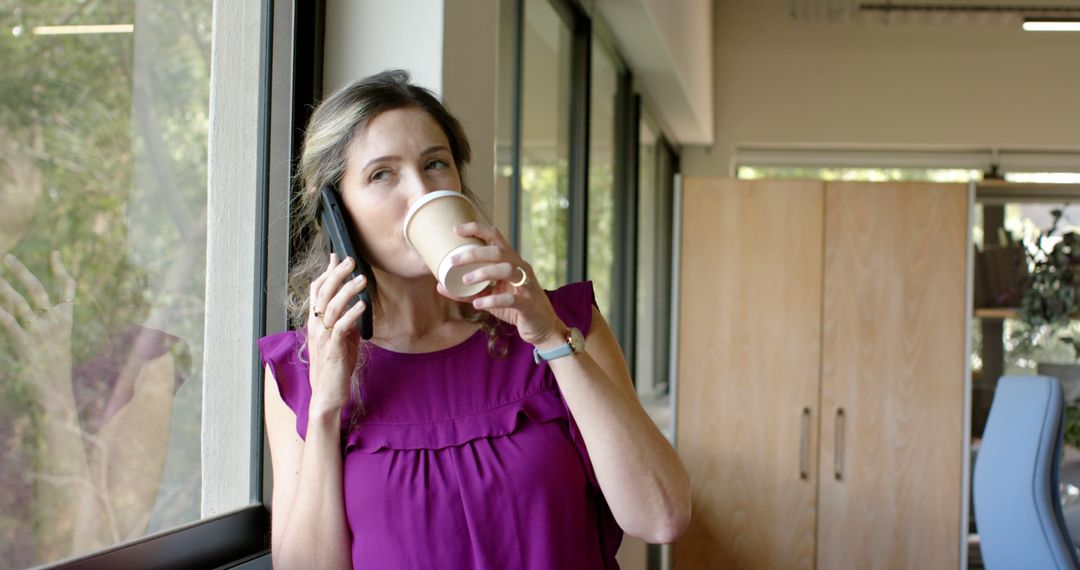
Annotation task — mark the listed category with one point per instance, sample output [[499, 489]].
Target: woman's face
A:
[[398, 157]]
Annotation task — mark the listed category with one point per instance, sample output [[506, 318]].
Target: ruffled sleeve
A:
[[574, 304], [100, 386], [281, 352]]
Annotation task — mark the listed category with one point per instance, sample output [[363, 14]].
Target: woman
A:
[[444, 442]]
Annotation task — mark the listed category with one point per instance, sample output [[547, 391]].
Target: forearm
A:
[[642, 478], [63, 482], [127, 458], [315, 534]]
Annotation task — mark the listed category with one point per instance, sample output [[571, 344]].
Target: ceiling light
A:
[[96, 29], [1051, 25]]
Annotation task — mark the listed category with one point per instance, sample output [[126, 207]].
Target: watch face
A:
[[577, 340]]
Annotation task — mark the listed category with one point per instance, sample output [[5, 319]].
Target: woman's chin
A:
[[409, 272]]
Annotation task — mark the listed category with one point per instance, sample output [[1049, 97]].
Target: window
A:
[[107, 338], [592, 202], [658, 166], [545, 142], [104, 200], [1008, 222], [644, 368], [604, 89], [1009, 231]]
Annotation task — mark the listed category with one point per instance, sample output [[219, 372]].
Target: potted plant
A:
[[1049, 307]]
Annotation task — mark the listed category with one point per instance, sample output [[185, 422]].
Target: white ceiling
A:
[[669, 46]]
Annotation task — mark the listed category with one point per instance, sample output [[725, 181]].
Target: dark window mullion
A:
[[515, 180], [569, 13], [628, 261], [667, 165], [623, 222], [579, 151]]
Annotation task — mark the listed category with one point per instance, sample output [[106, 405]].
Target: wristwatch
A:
[[575, 343]]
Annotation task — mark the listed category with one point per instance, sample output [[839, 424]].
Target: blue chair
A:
[[1017, 498]]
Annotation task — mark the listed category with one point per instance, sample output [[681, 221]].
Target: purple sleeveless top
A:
[[463, 459]]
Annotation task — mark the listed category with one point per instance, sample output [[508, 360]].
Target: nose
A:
[[417, 186]]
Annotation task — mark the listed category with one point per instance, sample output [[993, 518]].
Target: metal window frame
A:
[[295, 88], [515, 143], [580, 27], [624, 286], [578, 170], [210, 543], [621, 148], [667, 168], [627, 117]]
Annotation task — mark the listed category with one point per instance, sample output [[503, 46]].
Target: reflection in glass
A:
[[103, 153], [545, 143], [601, 245]]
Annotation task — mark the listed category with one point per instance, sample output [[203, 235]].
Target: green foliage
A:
[[544, 219], [1050, 297], [1072, 425], [1048, 305], [601, 238]]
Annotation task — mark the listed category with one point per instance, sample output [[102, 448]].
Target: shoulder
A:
[[574, 304]]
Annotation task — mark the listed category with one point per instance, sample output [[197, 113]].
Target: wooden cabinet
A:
[[821, 373]]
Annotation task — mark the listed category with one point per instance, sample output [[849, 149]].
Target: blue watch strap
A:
[[557, 352]]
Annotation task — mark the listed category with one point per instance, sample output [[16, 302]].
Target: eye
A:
[[437, 163], [380, 175]]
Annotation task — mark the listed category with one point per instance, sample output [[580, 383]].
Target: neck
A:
[[411, 307]]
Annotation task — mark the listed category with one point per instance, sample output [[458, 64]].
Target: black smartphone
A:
[[340, 237]]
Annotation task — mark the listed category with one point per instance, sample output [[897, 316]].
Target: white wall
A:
[[668, 46], [959, 81], [364, 37], [469, 62], [448, 47]]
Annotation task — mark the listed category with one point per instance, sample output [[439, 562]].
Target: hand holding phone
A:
[[340, 237]]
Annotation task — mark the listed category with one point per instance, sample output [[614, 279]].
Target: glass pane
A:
[[601, 246], [1017, 256], [103, 129], [545, 142], [1025, 225], [505, 77], [645, 354]]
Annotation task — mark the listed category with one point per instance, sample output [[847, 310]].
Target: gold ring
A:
[[324, 325], [521, 281]]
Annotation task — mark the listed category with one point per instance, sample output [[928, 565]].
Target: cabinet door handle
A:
[[838, 452], [804, 445]]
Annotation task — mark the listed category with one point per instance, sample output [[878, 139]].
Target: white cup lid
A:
[[450, 275]]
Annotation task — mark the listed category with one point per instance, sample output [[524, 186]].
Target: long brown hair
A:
[[323, 161]]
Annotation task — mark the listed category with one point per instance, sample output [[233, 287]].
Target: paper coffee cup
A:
[[429, 229]]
